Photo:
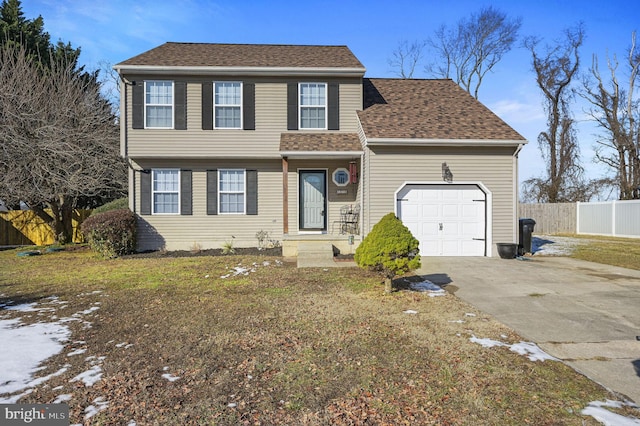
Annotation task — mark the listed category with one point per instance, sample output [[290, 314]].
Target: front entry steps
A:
[[315, 254]]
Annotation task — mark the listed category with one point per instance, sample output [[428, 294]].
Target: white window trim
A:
[[326, 106], [228, 105], [154, 192], [335, 172], [173, 102], [244, 192]]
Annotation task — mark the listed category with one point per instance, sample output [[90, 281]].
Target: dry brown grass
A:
[[286, 346], [624, 252]]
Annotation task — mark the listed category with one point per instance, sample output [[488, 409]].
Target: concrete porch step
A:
[[315, 254]]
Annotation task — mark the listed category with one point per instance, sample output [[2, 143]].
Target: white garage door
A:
[[448, 220]]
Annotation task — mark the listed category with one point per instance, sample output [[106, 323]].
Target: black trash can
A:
[[526, 226]]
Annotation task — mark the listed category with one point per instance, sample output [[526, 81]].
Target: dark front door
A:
[[313, 200]]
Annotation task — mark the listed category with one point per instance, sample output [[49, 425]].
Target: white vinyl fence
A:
[[615, 218]]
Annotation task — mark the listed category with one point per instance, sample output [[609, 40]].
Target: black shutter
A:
[[180, 109], [249, 106], [292, 106], [145, 192], [186, 193], [252, 192], [137, 105], [207, 105], [333, 101], [212, 192]]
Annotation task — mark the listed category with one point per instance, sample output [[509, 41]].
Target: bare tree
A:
[[555, 70], [617, 113], [468, 51], [58, 139], [405, 58]]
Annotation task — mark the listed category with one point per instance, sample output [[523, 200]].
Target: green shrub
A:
[[389, 249], [112, 233], [120, 203]]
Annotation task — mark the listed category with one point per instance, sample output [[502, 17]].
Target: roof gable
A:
[[428, 110], [173, 54]]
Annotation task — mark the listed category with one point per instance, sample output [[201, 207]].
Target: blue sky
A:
[[115, 30]]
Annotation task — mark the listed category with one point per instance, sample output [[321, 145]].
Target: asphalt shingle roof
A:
[[428, 109], [307, 142], [173, 54]]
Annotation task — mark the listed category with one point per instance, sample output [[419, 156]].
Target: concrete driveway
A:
[[584, 313]]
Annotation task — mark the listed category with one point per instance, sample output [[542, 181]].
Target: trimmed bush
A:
[[112, 233], [389, 249], [120, 203]]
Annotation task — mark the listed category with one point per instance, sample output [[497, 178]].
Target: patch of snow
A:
[[120, 345], [89, 377], [232, 405], [62, 398], [29, 346], [170, 377], [131, 423], [238, 270], [551, 245], [469, 314], [86, 311], [27, 307], [410, 311], [457, 321], [98, 405], [531, 350], [77, 352], [598, 410], [429, 287]]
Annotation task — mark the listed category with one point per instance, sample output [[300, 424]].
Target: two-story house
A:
[[225, 141]]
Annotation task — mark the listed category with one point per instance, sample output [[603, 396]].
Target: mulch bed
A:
[[250, 251]]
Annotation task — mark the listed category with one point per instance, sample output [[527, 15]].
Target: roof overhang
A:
[[249, 71], [317, 155], [442, 142]]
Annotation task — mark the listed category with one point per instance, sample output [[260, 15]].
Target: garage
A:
[[448, 220]]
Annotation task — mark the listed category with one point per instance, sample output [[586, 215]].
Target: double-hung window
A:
[[231, 191], [313, 105], [158, 101], [166, 191], [227, 99]]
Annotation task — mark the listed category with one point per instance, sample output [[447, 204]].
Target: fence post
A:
[[613, 218], [578, 217]]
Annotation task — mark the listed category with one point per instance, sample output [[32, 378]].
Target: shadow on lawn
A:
[[636, 365]]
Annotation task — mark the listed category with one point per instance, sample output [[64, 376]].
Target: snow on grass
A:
[[529, 349], [98, 405], [598, 410], [89, 377], [170, 377], [410, 311], [427, 286], [29, 346], [65, 397], [77, 352], [246, 270]]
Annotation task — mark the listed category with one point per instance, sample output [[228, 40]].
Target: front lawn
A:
[[170, 341]]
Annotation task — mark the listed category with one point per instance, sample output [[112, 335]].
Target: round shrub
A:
[[389, 249], [120, 203], [112, 233]]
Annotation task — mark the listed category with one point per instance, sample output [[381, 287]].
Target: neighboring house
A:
[[227, 140]]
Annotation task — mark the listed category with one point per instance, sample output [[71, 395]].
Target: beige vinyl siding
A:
[[263, 142], [178, 232], [334, 200], [389, 168]]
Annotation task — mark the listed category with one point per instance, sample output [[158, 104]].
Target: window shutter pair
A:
[[251, 196], [333, 106], [248, 106], [179, 105], [186, 193]]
